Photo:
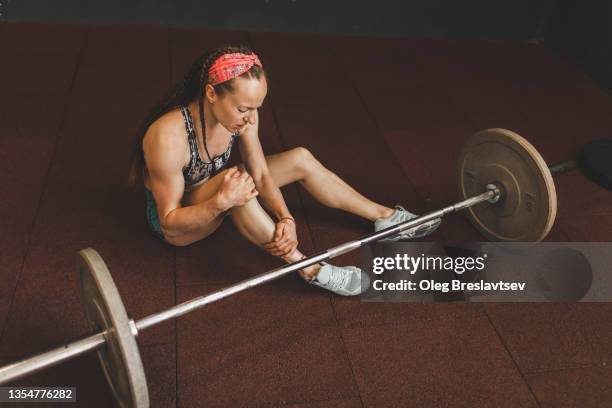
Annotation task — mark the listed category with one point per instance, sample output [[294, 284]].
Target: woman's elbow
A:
[[171, 234]]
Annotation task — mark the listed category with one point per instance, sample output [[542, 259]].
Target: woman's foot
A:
[[342, 280], [401, 215]]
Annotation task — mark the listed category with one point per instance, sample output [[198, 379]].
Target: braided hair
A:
[[184, 92]]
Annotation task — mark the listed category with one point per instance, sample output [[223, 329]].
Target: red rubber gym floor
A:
[[386, 114]]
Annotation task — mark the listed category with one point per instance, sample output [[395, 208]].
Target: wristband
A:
[[287, 218]]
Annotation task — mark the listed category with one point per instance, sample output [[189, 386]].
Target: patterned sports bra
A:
[[197, 169]]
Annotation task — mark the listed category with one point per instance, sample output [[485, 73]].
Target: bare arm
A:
[[255, 163], [164, 155], [285, 239]]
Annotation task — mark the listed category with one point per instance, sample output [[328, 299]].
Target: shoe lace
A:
[[338, 278]]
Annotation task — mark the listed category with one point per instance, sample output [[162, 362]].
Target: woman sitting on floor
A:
[[186, 143]]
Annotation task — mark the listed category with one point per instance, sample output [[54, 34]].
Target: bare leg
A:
[[250, 219], [300, 165], [287, 167], [255, 224]]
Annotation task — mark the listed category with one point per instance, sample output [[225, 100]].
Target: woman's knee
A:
[[305, 161], [250, 206], [181, 239], [205, 191], [178, 240]]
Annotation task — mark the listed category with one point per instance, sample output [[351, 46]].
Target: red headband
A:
[[230, 66]]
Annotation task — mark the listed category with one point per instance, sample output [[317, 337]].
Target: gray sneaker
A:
[[343, 280], [402, 215]]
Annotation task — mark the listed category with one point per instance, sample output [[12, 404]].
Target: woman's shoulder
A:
[[166, 138], [168, 129]]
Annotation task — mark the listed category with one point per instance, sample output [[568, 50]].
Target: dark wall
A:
[[476, 19], [582, 33]]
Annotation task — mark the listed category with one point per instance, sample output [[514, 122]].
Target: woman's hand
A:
[[285, 238], [237, 188]]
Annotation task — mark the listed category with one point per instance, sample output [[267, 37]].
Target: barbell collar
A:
[[490, 194], [133, 328]]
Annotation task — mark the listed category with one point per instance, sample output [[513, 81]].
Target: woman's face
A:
[[237, 109]]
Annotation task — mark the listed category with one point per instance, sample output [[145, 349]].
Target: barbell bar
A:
[[506, 180]]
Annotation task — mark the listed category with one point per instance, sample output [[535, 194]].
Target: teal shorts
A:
[[152, 217]]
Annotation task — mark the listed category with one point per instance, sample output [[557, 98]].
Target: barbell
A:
[[505, 186]]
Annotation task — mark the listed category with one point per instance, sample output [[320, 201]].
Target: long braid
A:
[[192, 86], [175, 97]]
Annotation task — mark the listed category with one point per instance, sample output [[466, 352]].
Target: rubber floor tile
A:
[[84, 208], [545, 336], [45, 314], [353, 313], [557, 233], [393, 56], [48, 308], [434, 171], [348, 403], [572, 187], [429, 150], [583, 219], [441, 363], [84, 373], [488, 59], [23, 182], [514, 62], [595, 323], [489, 81], [589, 106], [421, 109], [92, 390], [530, 92], [540, 87], [125, 85], [224, 256], [332, 225], [11, 260], [22, 137], [557, 135], [159, 362], [582, 387], [383, 308], [345, 231], [424, 144], [590, 227], [270, 345], [25, 48], [330, 128]]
